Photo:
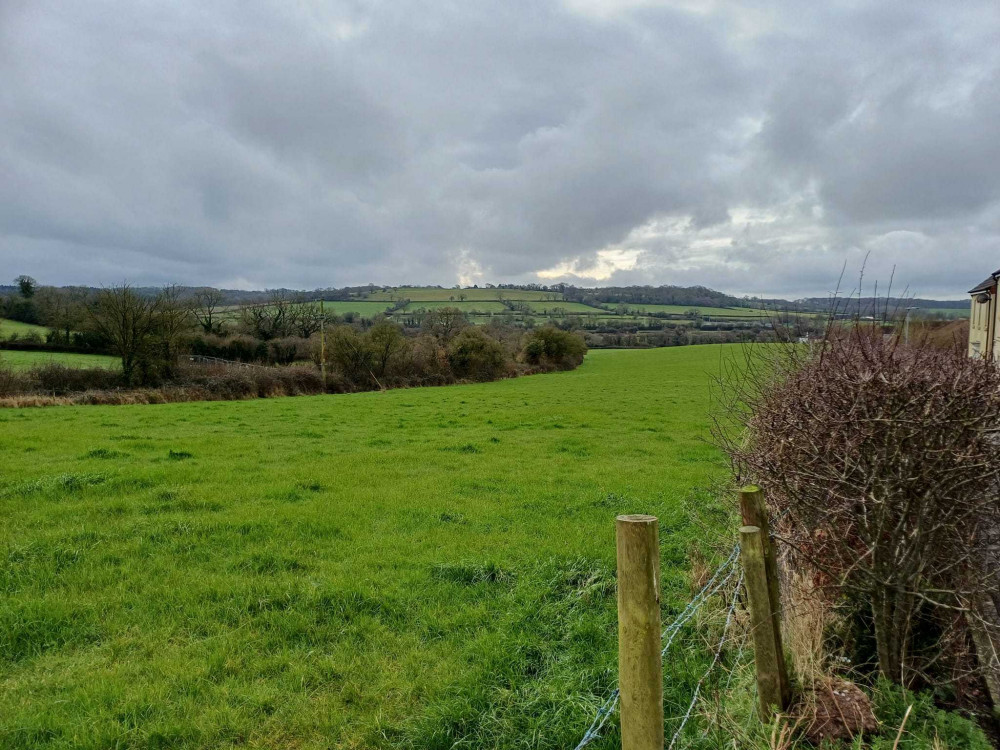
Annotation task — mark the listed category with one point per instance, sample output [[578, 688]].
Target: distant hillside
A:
[[695, 296], [867, 304], [690, 296]]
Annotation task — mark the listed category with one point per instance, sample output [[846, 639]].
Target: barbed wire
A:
[[715, 661], [699, 600], [603, 714], [669, 633]]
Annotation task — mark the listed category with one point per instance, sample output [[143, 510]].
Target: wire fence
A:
[[718, 581], [202, 359]]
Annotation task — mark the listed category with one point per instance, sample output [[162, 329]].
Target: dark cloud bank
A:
[[755, 148]]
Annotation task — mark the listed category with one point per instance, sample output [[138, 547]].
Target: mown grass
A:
[[11, 327], [415, 568], [23, 360]]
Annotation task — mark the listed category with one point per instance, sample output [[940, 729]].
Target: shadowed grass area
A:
[[415, 568], [9, 328], [23, 360]]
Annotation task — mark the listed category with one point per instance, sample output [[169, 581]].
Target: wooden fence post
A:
[[640, 665], [772, 686], [753, 507]]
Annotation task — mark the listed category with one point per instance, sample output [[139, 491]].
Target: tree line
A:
[[153, 334]]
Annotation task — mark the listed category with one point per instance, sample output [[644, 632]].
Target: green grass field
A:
[[949, 312], [10, 327], [431, 294], [484, 302], [570, 307], [423, 568], [18, 360], [721, 312], [359, 307], [468, 306]]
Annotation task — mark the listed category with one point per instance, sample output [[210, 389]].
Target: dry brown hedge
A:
[[882, 462]]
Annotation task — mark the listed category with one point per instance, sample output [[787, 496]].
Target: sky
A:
[[758, 148]]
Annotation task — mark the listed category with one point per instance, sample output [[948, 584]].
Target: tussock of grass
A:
[[105, 453], [468, 574]]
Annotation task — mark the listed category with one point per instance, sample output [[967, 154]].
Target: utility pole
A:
[[906, 326], [322, 344]]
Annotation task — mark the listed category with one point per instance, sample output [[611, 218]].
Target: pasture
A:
[[714, 312], [484, 305], [22, 360], [437, 294], [358, 307], [466, 306], [10, 328], [414, 568], [569, 307]]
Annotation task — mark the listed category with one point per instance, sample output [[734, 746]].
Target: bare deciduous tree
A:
[[268, 320], [445, 323], [386, 341], [305, 318], [206, 306], [141, 329], [173, 321], [63, 309]]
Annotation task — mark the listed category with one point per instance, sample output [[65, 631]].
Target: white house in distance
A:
[[983, 327]]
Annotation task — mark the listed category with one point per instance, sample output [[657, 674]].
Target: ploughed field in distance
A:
[[412, 568]]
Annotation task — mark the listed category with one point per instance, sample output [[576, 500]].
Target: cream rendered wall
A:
[[983, 327]]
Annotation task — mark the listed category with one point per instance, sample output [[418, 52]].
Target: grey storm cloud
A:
[[752, 147]]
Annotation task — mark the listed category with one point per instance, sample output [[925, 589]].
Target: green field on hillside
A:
[[468, 306], [719, 312], [421, 568], [432, 294], [550, 307], [23, 360], [481, 304], [359, 307], [614, 320], [949, 312], [11, 327]]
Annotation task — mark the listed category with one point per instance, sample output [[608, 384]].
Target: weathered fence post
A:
[[640, 665], [982, 619], [753, 507], [772, 680]]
